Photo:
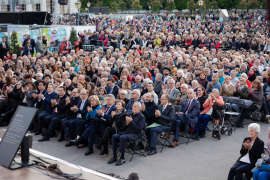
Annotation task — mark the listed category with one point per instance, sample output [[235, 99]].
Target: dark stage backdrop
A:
[[25, 18]]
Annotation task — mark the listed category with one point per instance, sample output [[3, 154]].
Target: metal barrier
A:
[[89, 48]]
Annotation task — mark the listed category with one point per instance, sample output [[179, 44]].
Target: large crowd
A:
[[139, 72]]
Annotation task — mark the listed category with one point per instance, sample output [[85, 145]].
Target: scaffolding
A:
[[55, 10]]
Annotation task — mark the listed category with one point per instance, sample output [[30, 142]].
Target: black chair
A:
[[132, 148], [177, 108], [165, 138]]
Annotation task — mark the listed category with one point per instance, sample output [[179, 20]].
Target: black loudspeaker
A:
[[94, 10], [63, 2], [105, 10]]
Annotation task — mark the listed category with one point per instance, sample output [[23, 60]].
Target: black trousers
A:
[[246, 112], [54, 122], [108, 133], [35, 119]]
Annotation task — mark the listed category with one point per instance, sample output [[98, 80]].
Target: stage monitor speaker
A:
[[94, 10], [105, 10], [63, 2]]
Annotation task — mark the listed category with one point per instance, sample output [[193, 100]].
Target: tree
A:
[[14, 45], [170, 5], [122, 6], [73, 36], [228, 4], [114, 7], [136, 5], [242, 5], [253, 4], [108, 2], [155, 5], [192, 5], [99, 4], [181, 4]]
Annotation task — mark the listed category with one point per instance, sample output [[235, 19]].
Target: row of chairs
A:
[[166, 142]]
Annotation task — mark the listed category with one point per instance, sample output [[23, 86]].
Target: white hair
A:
[[255, 126], [139, 104], [181, 72], [138, 92], [215, 89], [39, 74], [185, 86], [123, 91]]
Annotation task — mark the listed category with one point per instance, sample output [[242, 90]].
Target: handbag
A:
[[265, 167]]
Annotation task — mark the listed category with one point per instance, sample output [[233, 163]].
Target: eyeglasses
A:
[[163, 99], [122, 94], [83, 94]]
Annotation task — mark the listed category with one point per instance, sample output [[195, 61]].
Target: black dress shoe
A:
[[152, 152], [44, 138], [104, 151], [120, 162], [147, 149], [90, 151], [38, 133], [34, 130], [61, 139], [76, 142], [69, 143], [112, 160]]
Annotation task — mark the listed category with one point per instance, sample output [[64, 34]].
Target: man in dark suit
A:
[[4, 48], [104, 114], [81, 111], [59, 107], [111, 88], [133, 126], [69, 114], [149, 108], [32, 41], [188, 112], [41, 90], [164, 116], [46, 105]]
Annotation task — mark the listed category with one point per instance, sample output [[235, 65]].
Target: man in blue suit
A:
[[32, 41], [46, 104], [111, 88], [188, 112], [81, 111]]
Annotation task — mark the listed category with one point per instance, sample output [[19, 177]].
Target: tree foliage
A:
[[181, 4], [228, 4], [73, 36], [192, 5], [122, 6], [136, 5], [14, 45], [170, 5], [114, 7], [155, 5], [253, 4], [210, 4]]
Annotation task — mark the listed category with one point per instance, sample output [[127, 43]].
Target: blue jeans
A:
[[203, 119], [260, 175], [233, 107]]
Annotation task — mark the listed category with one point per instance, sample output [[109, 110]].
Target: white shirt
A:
[[164, 107], [245, 158], [104, 113], [189, 102]]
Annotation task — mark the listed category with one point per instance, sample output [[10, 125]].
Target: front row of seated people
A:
[[83, 120]]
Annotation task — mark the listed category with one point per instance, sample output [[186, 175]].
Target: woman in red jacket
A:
[[216, 44]]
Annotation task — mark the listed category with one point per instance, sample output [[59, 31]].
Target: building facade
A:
[[46, 5]]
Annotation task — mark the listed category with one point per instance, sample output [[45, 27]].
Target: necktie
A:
[[82, 105], [111, 91], [170, 92], [187, 106], [56, 107], [163, 108], [107, 110]]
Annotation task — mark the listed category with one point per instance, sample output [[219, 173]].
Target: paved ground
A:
[[207, 159]]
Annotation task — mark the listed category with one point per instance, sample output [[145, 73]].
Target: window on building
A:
[[8, 8], [38, 7]]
